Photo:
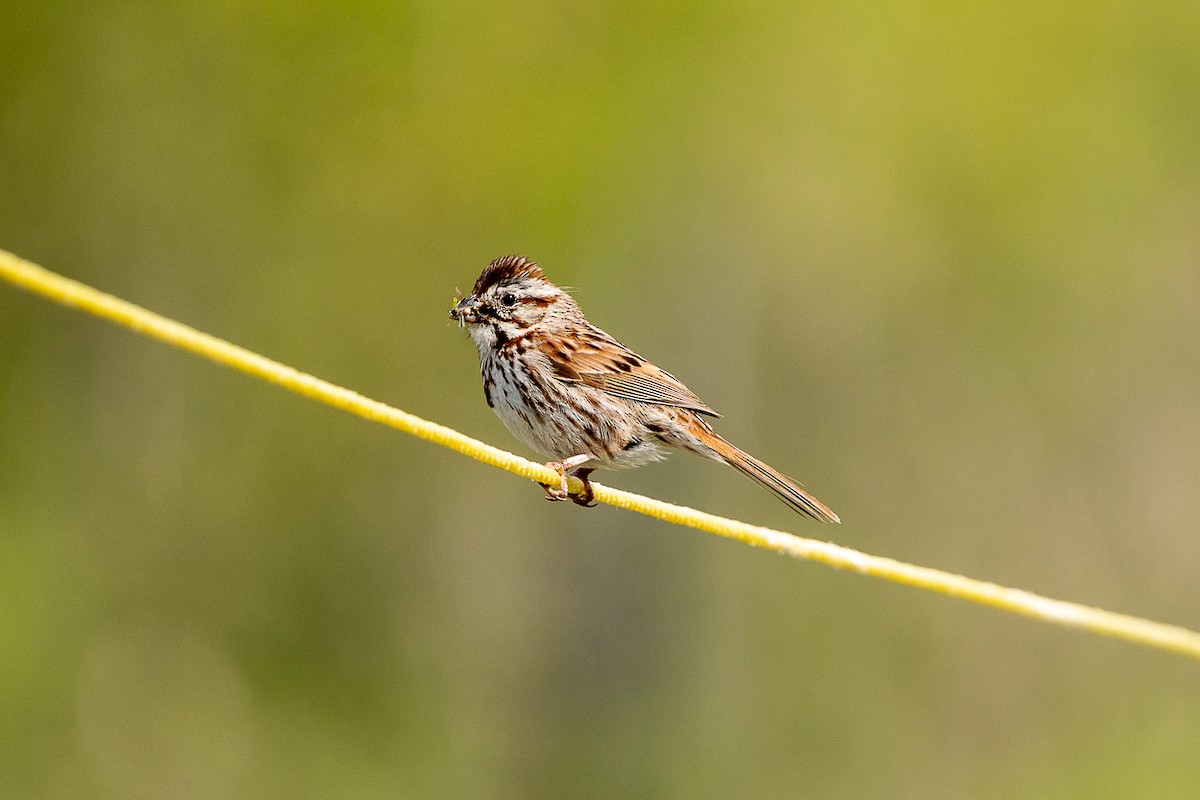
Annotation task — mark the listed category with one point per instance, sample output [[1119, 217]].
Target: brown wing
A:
[[596, 359]]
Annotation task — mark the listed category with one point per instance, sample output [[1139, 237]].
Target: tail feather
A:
[[781, 486]]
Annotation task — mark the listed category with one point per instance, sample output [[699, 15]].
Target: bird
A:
[[572, 392]]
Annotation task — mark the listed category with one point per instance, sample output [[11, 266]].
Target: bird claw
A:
[[587, 499], [558, 492], [554, 493]]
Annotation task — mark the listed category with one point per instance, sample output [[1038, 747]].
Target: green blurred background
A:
[[941, 262]]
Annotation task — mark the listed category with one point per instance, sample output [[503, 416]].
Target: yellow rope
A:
[[37, 280]]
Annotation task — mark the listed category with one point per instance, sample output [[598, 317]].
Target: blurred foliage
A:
[[941, 262]]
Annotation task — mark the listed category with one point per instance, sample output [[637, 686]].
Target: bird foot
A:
[[587, 499], [557, 492]]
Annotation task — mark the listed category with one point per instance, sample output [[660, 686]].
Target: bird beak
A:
[[465, 310]]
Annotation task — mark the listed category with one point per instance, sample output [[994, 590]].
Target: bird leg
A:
[[560, 492]]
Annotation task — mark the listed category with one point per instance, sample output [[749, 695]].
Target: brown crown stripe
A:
[[507, 268]]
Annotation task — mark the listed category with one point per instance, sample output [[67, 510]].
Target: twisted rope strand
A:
[[39, 281]]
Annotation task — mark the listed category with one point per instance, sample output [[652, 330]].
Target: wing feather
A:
[[601, 361]]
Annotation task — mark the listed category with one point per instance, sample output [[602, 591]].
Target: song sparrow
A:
[[569, 390]]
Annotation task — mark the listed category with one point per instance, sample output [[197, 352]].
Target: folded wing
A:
[[601, 361]]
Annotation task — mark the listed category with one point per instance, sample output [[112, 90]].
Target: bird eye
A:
[[508, 299]]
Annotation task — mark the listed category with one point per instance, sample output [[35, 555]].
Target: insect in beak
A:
[[463, 309]]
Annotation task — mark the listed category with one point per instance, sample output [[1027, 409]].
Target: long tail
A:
[[781, 486]]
